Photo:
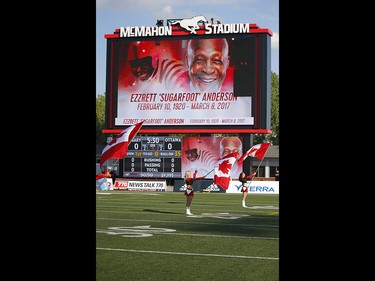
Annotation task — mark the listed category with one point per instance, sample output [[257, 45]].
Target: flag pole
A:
[[113, 164], [256, 171], [209, 172]]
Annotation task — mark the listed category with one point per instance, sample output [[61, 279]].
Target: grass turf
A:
[[147, 236]]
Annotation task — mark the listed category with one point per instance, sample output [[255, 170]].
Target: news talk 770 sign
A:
[[189, 76]]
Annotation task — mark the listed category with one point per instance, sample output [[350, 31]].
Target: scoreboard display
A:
[[153, 157]]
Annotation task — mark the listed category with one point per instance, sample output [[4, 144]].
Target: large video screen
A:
[[189, 82], [202, 153]]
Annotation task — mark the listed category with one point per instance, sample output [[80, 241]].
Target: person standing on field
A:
[[245, 186], [189, 192]]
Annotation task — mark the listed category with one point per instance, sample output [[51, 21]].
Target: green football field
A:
[[147, 236]]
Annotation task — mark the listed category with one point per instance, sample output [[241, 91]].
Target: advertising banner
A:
[[255, 187], [199, 186], [140, 185]]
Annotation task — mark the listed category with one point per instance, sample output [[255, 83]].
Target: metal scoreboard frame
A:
[[243, 107], [246, 108]]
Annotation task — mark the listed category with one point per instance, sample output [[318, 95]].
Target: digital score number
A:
[[153, 157]]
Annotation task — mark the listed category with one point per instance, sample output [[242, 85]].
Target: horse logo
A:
[[190, 24]]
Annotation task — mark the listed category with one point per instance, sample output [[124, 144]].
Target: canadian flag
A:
[[223, 168], [118, 147], [257, 151]]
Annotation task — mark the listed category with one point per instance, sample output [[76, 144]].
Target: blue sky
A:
[[112, 14]]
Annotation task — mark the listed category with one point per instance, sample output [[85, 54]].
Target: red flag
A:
[[257, 151], [100, 176], [223, 168], [118, 147]]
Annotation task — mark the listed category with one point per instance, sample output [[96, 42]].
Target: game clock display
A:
[[153, 157]]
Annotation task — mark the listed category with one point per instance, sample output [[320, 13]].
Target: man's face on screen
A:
[[208, 62], [231, 145], [142, 69], [192, 154]]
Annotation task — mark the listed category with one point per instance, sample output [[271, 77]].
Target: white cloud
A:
[[167, 10]]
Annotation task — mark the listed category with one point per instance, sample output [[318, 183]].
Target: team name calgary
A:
[[144, 31]]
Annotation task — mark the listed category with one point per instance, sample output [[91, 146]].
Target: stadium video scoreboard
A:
[[153, 157]]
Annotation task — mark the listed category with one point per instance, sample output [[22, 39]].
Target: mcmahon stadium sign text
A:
[[144, 31]]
